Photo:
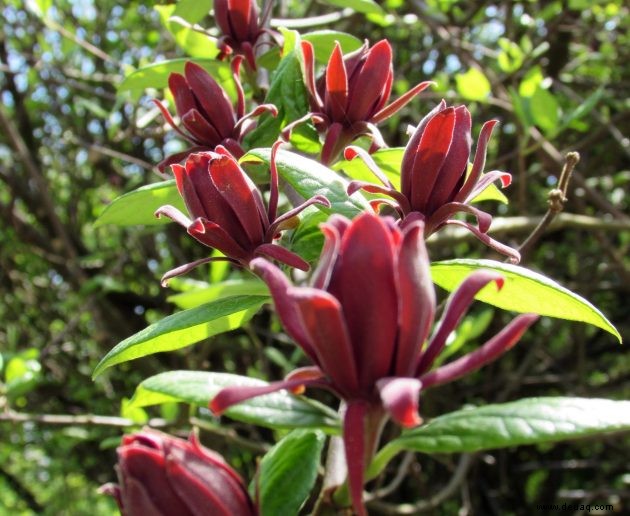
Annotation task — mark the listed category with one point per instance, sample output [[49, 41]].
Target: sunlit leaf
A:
[[527, 421], [288, 471], [309, 177], [524, 291], [184, 328], [275, 410], [138, 206]]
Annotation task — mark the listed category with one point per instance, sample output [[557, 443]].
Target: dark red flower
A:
[[241, 28], [351, 97], [435, 183], [207, 116], [228, 213], [364, 323], [161, 475]]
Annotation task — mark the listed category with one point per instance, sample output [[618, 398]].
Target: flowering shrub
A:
[[364, 320]]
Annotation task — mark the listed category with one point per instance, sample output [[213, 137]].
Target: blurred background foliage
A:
[[554, 72]]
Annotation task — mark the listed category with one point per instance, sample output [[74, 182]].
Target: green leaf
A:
[[307, 239], [360, 6], [236, 287], [177, 19], [288, 93], [23, 373], [156, 75], [511, 56], [184, 328], [275, 410], [138, 206], [527, 421], [544, 108], [524, 291], [192, 11], [309, 177], [288, 472], [473, 85], [537, 106], [324, 41], [388, 160]]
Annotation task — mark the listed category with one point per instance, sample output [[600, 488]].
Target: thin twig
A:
[[83, 419], [385, 491], [556, 199], [459, 475]]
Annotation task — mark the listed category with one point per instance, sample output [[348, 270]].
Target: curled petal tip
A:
[[350, 153], [320, 199]]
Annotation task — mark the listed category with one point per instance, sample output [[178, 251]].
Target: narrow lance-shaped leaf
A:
[[524, 291], [527, 421], [156, 75], [211, 292], [138, 206], [308, 177], [184, 328], [276, 410], [288, 472]]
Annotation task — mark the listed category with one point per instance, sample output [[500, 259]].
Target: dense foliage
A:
[[78, 129]]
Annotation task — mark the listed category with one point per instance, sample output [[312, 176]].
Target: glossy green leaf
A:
[[473, 85], [220, 290], [524, 291], [360, 6], [275, 410], [138, 206], [287, 472], [156, 75], [307, 239], [324, 41], [288, 93], [309, 177], [527, 421], [388, 161], [184, 328], [178, 18]]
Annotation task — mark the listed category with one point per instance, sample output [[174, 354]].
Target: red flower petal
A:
[[400, 398]]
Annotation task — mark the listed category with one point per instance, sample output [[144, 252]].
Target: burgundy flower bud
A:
[[161, 475], [228, 213], [241, 28], [352, 95], [435, 182], [206, 113], [364, 323]]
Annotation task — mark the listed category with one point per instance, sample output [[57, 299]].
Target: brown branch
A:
[[556, 199], [83, 419]]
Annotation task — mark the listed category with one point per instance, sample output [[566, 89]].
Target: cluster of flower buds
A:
[[365, 322]]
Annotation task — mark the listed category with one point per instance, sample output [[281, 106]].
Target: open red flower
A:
[[352, 96], [228, 212], [161, 475], [435, 182], [364, 323], [207, 116], [241, 28]]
